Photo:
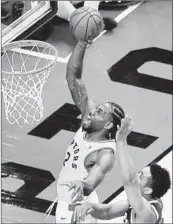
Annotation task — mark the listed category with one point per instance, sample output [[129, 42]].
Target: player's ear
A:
[[148, 190], [108, 125]]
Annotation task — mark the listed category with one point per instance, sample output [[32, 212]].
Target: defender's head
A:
[[105, 117], [154, 181]]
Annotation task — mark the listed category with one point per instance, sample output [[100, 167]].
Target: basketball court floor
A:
[[132, 66]]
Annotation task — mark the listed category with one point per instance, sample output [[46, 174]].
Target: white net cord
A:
[[23, 78]]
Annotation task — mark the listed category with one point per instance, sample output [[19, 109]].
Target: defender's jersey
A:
[[157, 207], [73, 165]]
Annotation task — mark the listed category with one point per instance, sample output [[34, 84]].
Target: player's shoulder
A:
[[154, 209], [157, 206], [108, 144], [156, 201], [80, 132], [80, 135], [106, 148]]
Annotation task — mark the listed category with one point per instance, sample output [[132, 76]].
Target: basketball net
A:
[[26, 66]]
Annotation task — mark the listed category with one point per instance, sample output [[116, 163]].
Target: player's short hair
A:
[[117, 115], [161, 182]]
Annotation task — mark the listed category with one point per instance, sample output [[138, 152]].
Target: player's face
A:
[[97, 120], [145, 178]]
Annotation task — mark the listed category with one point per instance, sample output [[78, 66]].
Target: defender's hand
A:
[[78, 193], [81, 212], [124, 130]]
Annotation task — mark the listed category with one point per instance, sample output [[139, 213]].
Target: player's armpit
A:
[[102, 166]]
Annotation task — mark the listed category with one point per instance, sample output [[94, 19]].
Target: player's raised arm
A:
[[139, 204], [74, 78]]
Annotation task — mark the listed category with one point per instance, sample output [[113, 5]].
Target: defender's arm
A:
[[100, 211], [139, 204]]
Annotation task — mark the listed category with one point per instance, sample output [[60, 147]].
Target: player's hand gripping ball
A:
[[86, 24]]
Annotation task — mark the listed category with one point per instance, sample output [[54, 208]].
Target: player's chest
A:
[[86, 151]]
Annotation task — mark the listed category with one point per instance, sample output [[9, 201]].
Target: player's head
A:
[[105, 118], [154, 181]]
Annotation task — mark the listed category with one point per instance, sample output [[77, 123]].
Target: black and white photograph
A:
[[86, 111]]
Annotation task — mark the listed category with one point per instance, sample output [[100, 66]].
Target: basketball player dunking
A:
[[91, 154], [144, 190]]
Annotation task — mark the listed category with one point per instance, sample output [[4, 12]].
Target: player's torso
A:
[[157, 206], [80, 156]]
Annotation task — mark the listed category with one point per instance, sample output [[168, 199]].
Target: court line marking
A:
[[39, 54], [65, 60]]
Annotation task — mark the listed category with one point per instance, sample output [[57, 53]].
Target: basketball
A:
[[86, 23]]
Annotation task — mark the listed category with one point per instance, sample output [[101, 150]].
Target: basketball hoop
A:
[[26, 66]]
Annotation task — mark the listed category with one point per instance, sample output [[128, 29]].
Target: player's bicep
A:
[[106, 159], [102, 166]]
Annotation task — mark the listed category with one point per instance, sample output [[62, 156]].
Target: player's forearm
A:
[[88, 187], [93, 179], [75, 64], [100, 211], [102, 166], [127, 168], [109, 211]]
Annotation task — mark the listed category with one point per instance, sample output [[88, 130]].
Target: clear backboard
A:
[[34, 14]]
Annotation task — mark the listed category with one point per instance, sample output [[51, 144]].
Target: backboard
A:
[[34, 15]]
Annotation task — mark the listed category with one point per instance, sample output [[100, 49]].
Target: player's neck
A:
[[95, 136], [147, 197]]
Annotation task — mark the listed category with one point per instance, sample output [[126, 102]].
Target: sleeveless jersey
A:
[[80, 148], [157, 207]]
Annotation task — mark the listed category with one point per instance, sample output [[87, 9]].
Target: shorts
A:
[[64, 212]]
